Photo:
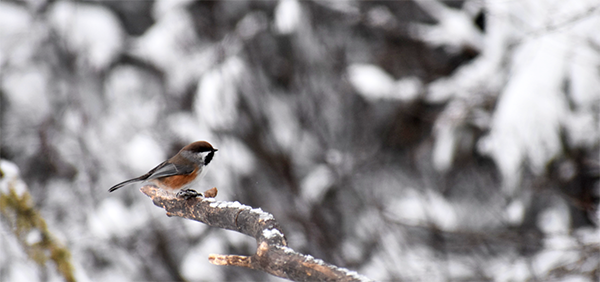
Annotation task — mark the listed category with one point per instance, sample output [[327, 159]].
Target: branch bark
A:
[[272, 256]]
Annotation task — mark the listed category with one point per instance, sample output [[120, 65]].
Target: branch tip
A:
[[232, 260]]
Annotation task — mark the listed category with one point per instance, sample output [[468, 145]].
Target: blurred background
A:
[[406, 140]]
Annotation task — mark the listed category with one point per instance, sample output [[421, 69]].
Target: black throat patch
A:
[[209, 158]]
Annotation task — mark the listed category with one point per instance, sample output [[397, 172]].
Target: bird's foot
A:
[[188, 194]]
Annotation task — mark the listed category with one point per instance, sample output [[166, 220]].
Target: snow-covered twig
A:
[[272, 255]]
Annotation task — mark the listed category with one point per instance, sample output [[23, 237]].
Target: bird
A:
[[180, 172]]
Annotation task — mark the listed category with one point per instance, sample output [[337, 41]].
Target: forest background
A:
[[406, 140]]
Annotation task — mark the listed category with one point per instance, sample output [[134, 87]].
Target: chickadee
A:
[[180, 172]]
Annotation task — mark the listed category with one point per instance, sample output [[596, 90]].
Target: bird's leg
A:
[[188, 194]]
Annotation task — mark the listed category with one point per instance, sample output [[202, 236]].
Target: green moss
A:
[[23, 219]]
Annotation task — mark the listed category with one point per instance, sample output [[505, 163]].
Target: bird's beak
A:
[[215, 149]]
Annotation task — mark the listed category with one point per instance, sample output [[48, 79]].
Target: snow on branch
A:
[[272, 255]]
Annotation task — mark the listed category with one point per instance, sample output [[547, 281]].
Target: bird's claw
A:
[[188, 194]]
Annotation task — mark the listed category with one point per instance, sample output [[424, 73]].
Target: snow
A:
[[252, 24], [515, 270], [168, 44], [142, 153], [288, 14], [217, 97], [134, 102], [11, 179], [194, 228], [416, 208], [112, 218], [92, 31], [515, 212], [22, 87], [348, 7], [270, 233], [282, 122], [237, 156], [455, 29], [24, 271], [164, 7], [381, 16], [233, 205], [526, 124], [316, 183], [15, 23], [371, 81], [195, 266], [374, 83], [555, 219], [33, 237]]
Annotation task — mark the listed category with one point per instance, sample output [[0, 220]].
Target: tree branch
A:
[[272, 255]]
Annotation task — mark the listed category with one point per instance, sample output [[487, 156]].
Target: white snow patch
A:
[[455, 29], [408, 88], [381, 16], [288, 14], [370, 81], [195, 266], [233, 205], [417, 208], [588, 236], [514, 269], [112, 218], [237, 155], [445, 145], [575, 278], [25, 270], [515, 212], [187, 127], [555, 219], [238, 239], [351, 250], [283, 122], [374, 83], [288, 250], [350, 8], [143, 153], [266, 216], [257, 211], [172, 45], [583, 129], [316, 183], [252, 24], [11, 179], [92, 31], [217, 94], [15, 22], [23, 87], [211, 200], [164, 7], [270, 233], [550, 259], [526, 124], [34, 236], [193, 228]]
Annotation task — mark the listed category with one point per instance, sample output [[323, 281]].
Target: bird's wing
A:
[[162, 170], [168, 169]]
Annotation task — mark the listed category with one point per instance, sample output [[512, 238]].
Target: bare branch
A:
[[272, 255]]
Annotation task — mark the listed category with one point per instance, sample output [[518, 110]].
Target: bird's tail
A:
[[123, 184]]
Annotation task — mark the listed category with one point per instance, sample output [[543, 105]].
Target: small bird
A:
[[180, 172]]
